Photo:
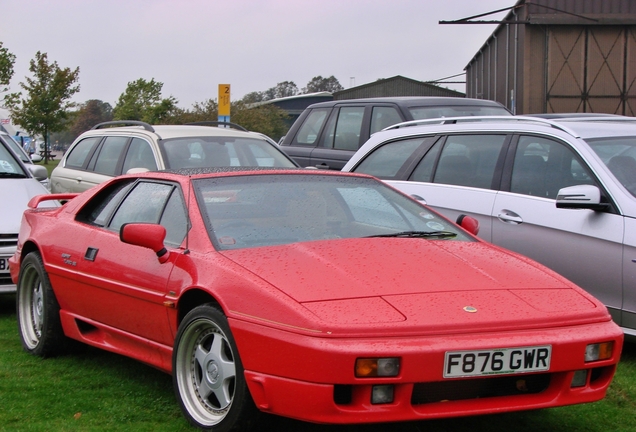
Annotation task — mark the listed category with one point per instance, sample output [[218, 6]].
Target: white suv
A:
[[562, 191], [105, 151]]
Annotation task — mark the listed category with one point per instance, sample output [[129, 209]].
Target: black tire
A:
[[38, 311], [207, 374]]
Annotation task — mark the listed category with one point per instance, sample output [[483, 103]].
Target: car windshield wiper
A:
[[419, 234], [12, 175]]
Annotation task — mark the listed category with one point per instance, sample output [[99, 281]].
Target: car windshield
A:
[[426, 112], [619, 154], [17, 149], [204, 152], [9, 166], [264, 210]]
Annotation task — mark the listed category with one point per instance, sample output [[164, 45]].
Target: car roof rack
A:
[[475, 119], [103, 125], [218, 123]]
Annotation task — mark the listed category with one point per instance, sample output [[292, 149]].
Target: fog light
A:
[[377, 367], [599, 351], [579, 379], [382, 394]]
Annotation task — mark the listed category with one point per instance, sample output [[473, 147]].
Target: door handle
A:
[[323, 166], [510, 217], [78, 179]]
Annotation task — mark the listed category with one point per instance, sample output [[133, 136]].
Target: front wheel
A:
[[38, 310], [208, 374]]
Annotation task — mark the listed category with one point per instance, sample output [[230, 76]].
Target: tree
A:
[[253, 97], [89, 114], [7, 61], [281, 90], [142, 101], [45, 108], [320, 84]]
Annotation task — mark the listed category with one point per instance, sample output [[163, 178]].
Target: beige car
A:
[[106, 151]]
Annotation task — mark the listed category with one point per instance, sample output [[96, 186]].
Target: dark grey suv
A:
[[327, 134]]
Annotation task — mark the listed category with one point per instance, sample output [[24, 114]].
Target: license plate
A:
[[498, 361], [4, 265]]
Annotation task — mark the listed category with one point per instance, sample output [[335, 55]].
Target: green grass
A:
[[50, 166], [93, 390]]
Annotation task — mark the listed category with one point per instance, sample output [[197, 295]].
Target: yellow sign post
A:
[[224, 103]]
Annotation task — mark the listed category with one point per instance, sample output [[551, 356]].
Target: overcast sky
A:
[[191, 46]]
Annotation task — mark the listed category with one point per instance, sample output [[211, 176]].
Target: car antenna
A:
[[187, 248]]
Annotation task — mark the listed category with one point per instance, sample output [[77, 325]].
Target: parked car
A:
[[561, 192], [318, 295], [327, 134], [106, 151], [22, 155], [18, 184]]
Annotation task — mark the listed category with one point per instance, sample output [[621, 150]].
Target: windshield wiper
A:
[[419, 234], [12, 175]]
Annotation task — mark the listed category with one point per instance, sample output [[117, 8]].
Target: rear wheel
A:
[[37, 310], [208, 374]]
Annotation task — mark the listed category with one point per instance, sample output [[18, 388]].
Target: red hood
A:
[[427, 283]]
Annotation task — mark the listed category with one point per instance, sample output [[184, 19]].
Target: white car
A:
[[561, 191], [105, 152], [19, 183]]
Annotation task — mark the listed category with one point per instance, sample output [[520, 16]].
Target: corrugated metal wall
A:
[[580, 61]]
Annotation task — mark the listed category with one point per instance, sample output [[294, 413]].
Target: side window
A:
[[543, 166], [139, 155], [77, 156], [98, 210], [348, 128], [424, 170], [106, 160], [469, 160], [382, 117], [174, 219], [386, 161], [308, 132], [145, 203]]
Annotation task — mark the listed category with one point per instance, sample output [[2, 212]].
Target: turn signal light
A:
[[377, 367], [599, 351]]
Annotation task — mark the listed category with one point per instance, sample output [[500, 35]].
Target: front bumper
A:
[[312, 378]]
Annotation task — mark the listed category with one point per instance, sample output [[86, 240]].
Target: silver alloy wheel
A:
[[206, 371], [31, 305]]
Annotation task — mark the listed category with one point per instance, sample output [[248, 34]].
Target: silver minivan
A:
[[561, 191]]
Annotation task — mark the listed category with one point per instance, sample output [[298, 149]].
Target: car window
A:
[[145, 203], [382, 117], [100, 208], [78, 154], [619, 154], [308, 132], [139, 155], [386, 160], [264, 210], [343, 130], [174, 219], [107, 157], [9, 166], [205, 152], [465, 160], [543, 166]]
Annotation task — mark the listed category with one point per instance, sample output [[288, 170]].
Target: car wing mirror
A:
[[469, 223], [580, 197], [38, 172], [147, 235]]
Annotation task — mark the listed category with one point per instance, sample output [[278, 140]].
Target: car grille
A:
[[478, 388], [8, 240]]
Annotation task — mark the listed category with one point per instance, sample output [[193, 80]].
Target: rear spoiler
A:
[[36, 200]]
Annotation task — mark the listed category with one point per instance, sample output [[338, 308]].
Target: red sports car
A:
[[322, 296]]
